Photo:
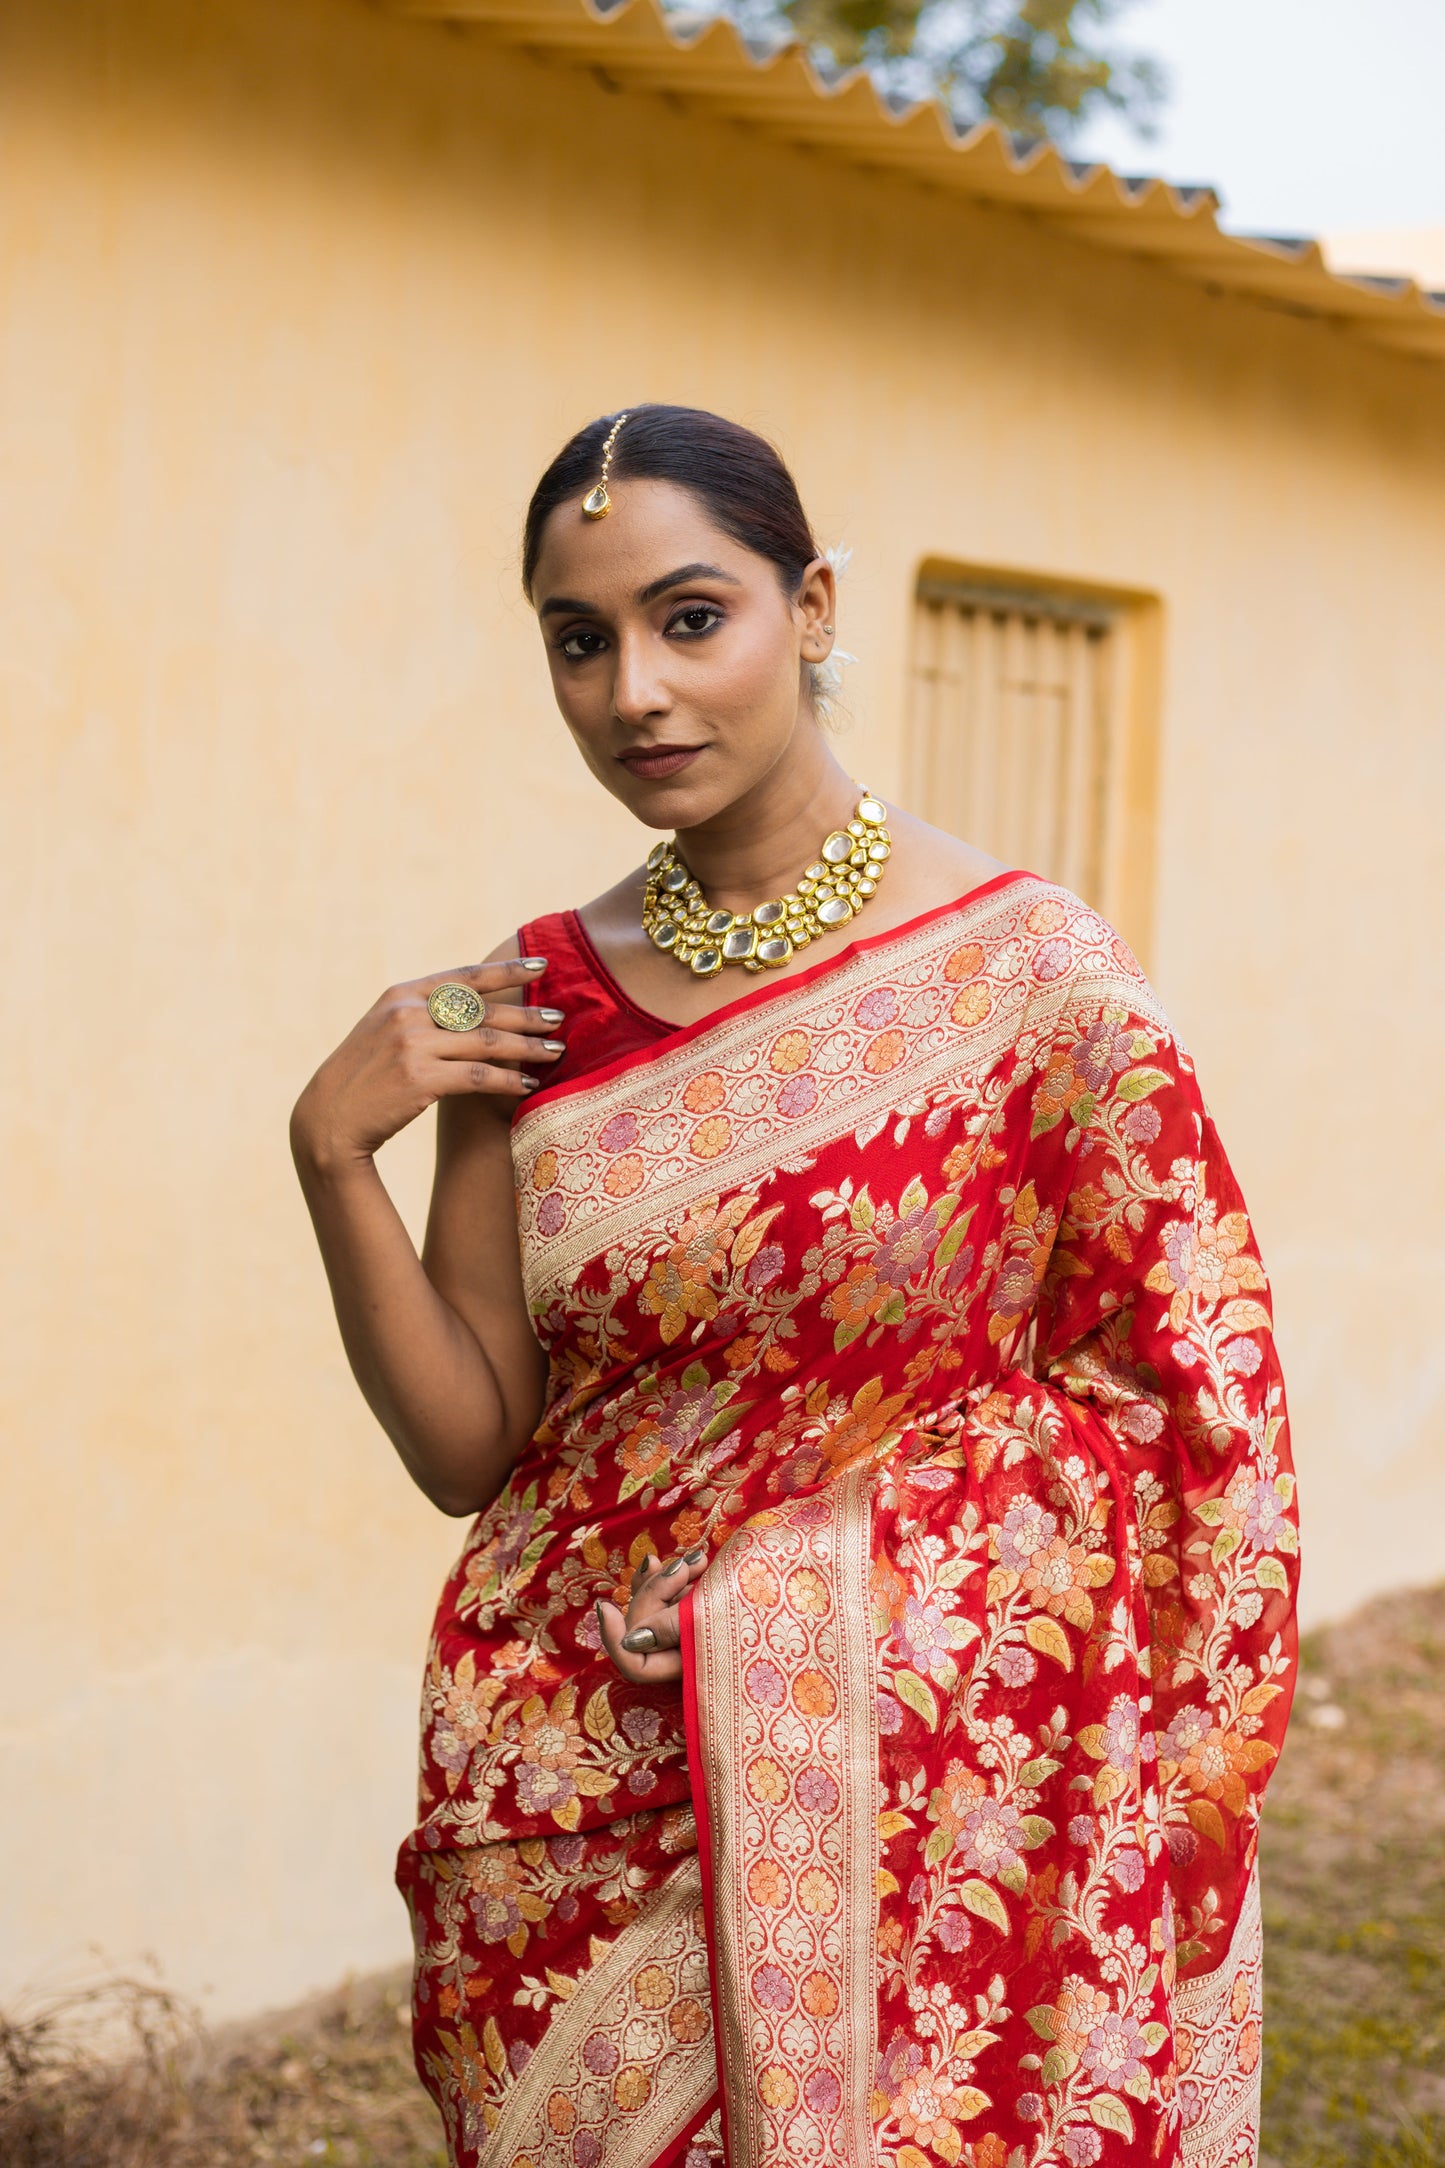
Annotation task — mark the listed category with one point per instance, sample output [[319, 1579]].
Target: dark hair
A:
[[738, 476]]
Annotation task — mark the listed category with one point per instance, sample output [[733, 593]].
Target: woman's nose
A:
[[638, 688]]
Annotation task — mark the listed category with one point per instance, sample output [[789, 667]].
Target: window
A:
[[1023, 733]]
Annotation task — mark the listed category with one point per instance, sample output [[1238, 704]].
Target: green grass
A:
[[1353, 1857]]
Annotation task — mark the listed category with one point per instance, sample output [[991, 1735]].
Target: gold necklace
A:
[[678, 919]]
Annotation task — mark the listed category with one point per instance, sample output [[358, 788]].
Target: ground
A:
[[1354, 1880]]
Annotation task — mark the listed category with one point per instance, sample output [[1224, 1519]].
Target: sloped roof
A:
[[780, 94]]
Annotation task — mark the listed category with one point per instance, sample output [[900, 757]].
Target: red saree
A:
[[919, 1289]]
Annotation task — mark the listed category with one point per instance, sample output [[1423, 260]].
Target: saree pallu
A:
[[919, 1290]]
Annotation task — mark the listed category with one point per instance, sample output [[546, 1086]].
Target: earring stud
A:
[[827, 628]]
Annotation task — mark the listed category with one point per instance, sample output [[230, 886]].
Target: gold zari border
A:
[[1217, 2020], [638, 2084], [786, 1702], [770, 1086]]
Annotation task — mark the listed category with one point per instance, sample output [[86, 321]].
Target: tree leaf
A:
[[1271, 1574], [1039, 1770], [1045, 2020], [985, 1903], [1242, 1316], [1058, 2064], [1047, 1636], [1037, 1829]]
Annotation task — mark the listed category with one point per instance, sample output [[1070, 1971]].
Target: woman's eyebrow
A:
[[680, 578], [569, 606], [566, 606]]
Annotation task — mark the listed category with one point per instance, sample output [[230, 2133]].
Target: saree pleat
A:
[[919, 1290]]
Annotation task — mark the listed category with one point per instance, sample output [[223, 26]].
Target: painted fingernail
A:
[[640, 1642], [554, 1046], [531, 963], [699, 1550], [552, 1016], [531, 1083]]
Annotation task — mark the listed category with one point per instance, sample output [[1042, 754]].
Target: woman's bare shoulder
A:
[[932, 866]]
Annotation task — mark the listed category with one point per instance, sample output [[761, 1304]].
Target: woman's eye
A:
[[698, 618], [579, 646]]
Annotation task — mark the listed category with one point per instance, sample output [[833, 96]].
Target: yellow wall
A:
[[296, 300]]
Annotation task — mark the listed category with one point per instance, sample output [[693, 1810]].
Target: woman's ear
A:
[[814, 608]]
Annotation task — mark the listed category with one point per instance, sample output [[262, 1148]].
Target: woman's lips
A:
[[664, 760]]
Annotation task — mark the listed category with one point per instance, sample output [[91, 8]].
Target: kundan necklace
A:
[[677, 917]]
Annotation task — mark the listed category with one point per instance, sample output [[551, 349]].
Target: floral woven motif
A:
[[920, 1291]]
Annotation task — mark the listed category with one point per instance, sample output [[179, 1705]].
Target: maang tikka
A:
[[597, 504]]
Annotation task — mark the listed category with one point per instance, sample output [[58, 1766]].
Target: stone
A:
[[835, 911], [837, 846]]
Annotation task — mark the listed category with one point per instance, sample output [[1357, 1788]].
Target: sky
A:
[[1308, 115]]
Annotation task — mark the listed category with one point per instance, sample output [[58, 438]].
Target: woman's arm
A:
[[442, 1350]]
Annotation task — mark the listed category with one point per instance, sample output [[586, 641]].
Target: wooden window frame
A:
[[1123, 845]]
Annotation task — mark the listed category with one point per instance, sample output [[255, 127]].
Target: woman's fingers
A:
[[644, 1667], [645, 1643], [519, 977], [454, 1079], [489, 1042]]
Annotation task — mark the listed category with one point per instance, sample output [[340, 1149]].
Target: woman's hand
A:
[[396, 1062], [646, 1645]]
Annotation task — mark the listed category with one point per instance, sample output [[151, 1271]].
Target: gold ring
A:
[[455, 1008]]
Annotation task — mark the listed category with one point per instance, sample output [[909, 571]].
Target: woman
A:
[[845, 1725]]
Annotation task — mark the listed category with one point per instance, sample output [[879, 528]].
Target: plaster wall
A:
[[297, 299]]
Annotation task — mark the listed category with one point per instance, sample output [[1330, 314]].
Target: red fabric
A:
[[919, 1289], [601, 1023]]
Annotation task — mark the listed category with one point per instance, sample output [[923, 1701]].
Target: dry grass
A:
[[331, 2081], [1354, 1859]]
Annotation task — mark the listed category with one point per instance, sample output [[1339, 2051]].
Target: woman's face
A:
[[677, 660]]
